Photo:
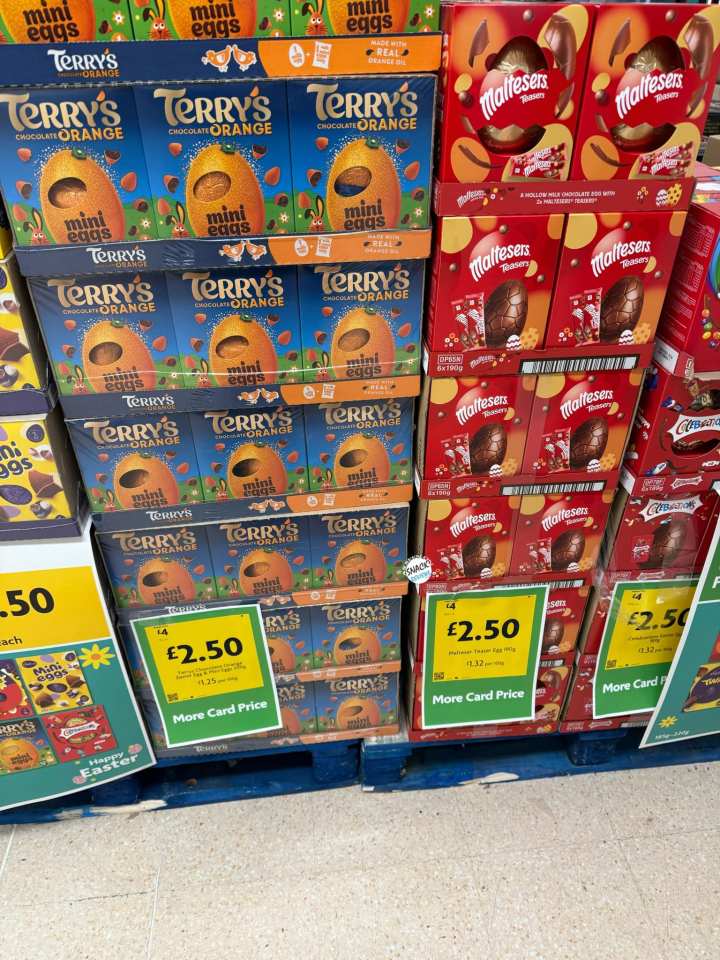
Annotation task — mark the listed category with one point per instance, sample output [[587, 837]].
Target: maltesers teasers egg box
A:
[[23, 363], [563, 618], [211, 20], [72, 166], [361, 320], [650, 80], [613, 273], [218, 158], [512, 84], [64, 21], [358, 548], [361, 152], [108, 333], [356, 634], [319, 18], [137, 463], [357, 703], [237, 328], [492, 280], [157, 568]]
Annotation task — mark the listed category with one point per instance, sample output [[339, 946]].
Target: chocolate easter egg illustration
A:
[[222, 194], [363, 344], [361, 460], [668, 541], [568, 548], [265, 572], [488, 447], [17, 754], [358, 563], [113, 355], [161, 582], [142, 480], [255, 470], [519, 55], [505, 313], [282, 655], [588, 442], [478, 555], [34, 21], [191, 19], [620, 308], [658, 56], [347, 17], [356, 645], [241, 352], [78, 200], [358, 713], [553, 632], [362, 185], [291, 725]]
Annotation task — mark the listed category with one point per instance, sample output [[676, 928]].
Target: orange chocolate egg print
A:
[[363, 345], [290, 722], [282, 655], [17, 754], [367, 16], [361, 460], [194, 20], [363, 190], [264, 572], [359, 563], [255, 470], [357, 713], [164, 581], [142, 480], [356, 645], [48, 21], [222, 195], [116, 359], [79, 202], [241, 353]]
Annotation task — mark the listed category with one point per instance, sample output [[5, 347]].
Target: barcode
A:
[[580, 364], [610, 664], [590, 486], [438, 676]]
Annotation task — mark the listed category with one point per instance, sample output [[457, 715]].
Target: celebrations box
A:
[[166, 567], [250, 453], [318, 18], [355, 634], [492, 279], [361, 320], [72, 166], [357, 703], [580, 422], [613, 274], [64, 21], [650, 79], [108, 334], [80, 733], [24, 746], [361, 152], [297, 709], [289, 638], [212, 20], [22, 356], [357, 548], [512, 83], [130, 463], [364, 443], [238, 328], [218, 158]]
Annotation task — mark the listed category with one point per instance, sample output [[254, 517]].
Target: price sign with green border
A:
[[210, 673], [482, 653]]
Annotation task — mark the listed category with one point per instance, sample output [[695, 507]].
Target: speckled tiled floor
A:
[[615, 866]]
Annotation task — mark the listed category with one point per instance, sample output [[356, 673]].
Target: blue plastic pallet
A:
[[186, 782], [396, 763]]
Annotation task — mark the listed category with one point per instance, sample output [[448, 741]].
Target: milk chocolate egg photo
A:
[[356, 645], [478, 555], [358, 563], [488, 447], [17, 754], [553, 633], [361, 460], [142, 480], [358, 713], [164, 581], [519, 55], [241, 352], [112, 354], [505, 313], [588, 442], [346, 18], [76, 195], [255, 470], [282, 655], [660, 55], [362, 345], [668, 542], [222, 195], [33, 21], [568, 548], [263, 572], [363, 182], [185, 19], [620, 308]]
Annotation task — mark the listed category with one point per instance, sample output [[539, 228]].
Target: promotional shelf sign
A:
[[68, 719], [482, 651], [210, 673], [641, 635]]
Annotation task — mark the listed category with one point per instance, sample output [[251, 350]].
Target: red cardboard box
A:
[[577, 716], [511, 83], [580, 422], [650, 79], [492, 279], [613, 274]]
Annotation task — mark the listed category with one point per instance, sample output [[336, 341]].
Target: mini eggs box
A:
[[317, 18], [356, 634], [251, 452], [212, 20], [357, 703], [159, 567], [361, 320], [357, 548], [265, 556], [219, 159], [361, 152], [137, 463], [23, 362], [363, 443], [72, 167], [64, 21], [108, 334], [238, 328], [289, 638]]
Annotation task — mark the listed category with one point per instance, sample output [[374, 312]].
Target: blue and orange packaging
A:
[[251, 453], [297, 709], [362, 152], [219, 159], [108, 333], [238, 328], [137, 463], [357, 703], [159, 567], [264, 556], [72, 166], [361, 320], [289, 638], [356, 634], [357, 548], [363, 443]]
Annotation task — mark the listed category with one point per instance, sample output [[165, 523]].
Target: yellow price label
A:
[[648, 625], [45, 608], [203, 657], [483, 636]]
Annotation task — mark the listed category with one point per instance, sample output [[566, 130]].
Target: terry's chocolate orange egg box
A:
[[492, 279], [289, 638], [108, 334], [356, 634], [218, 159], [580, 422], [361, 152], [357, 703], [651, 74], [612, 277], [363, 443], [357, 548], [212, 20], [297, 709], [318, 18], [511, 88], [251, 453], [261, 557], [361, 320], [163, 567], [72, 166], [24, 746], [137, 463], [64, 21], [238, 328]]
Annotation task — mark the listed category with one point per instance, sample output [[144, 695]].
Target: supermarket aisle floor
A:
[[612, 866]]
